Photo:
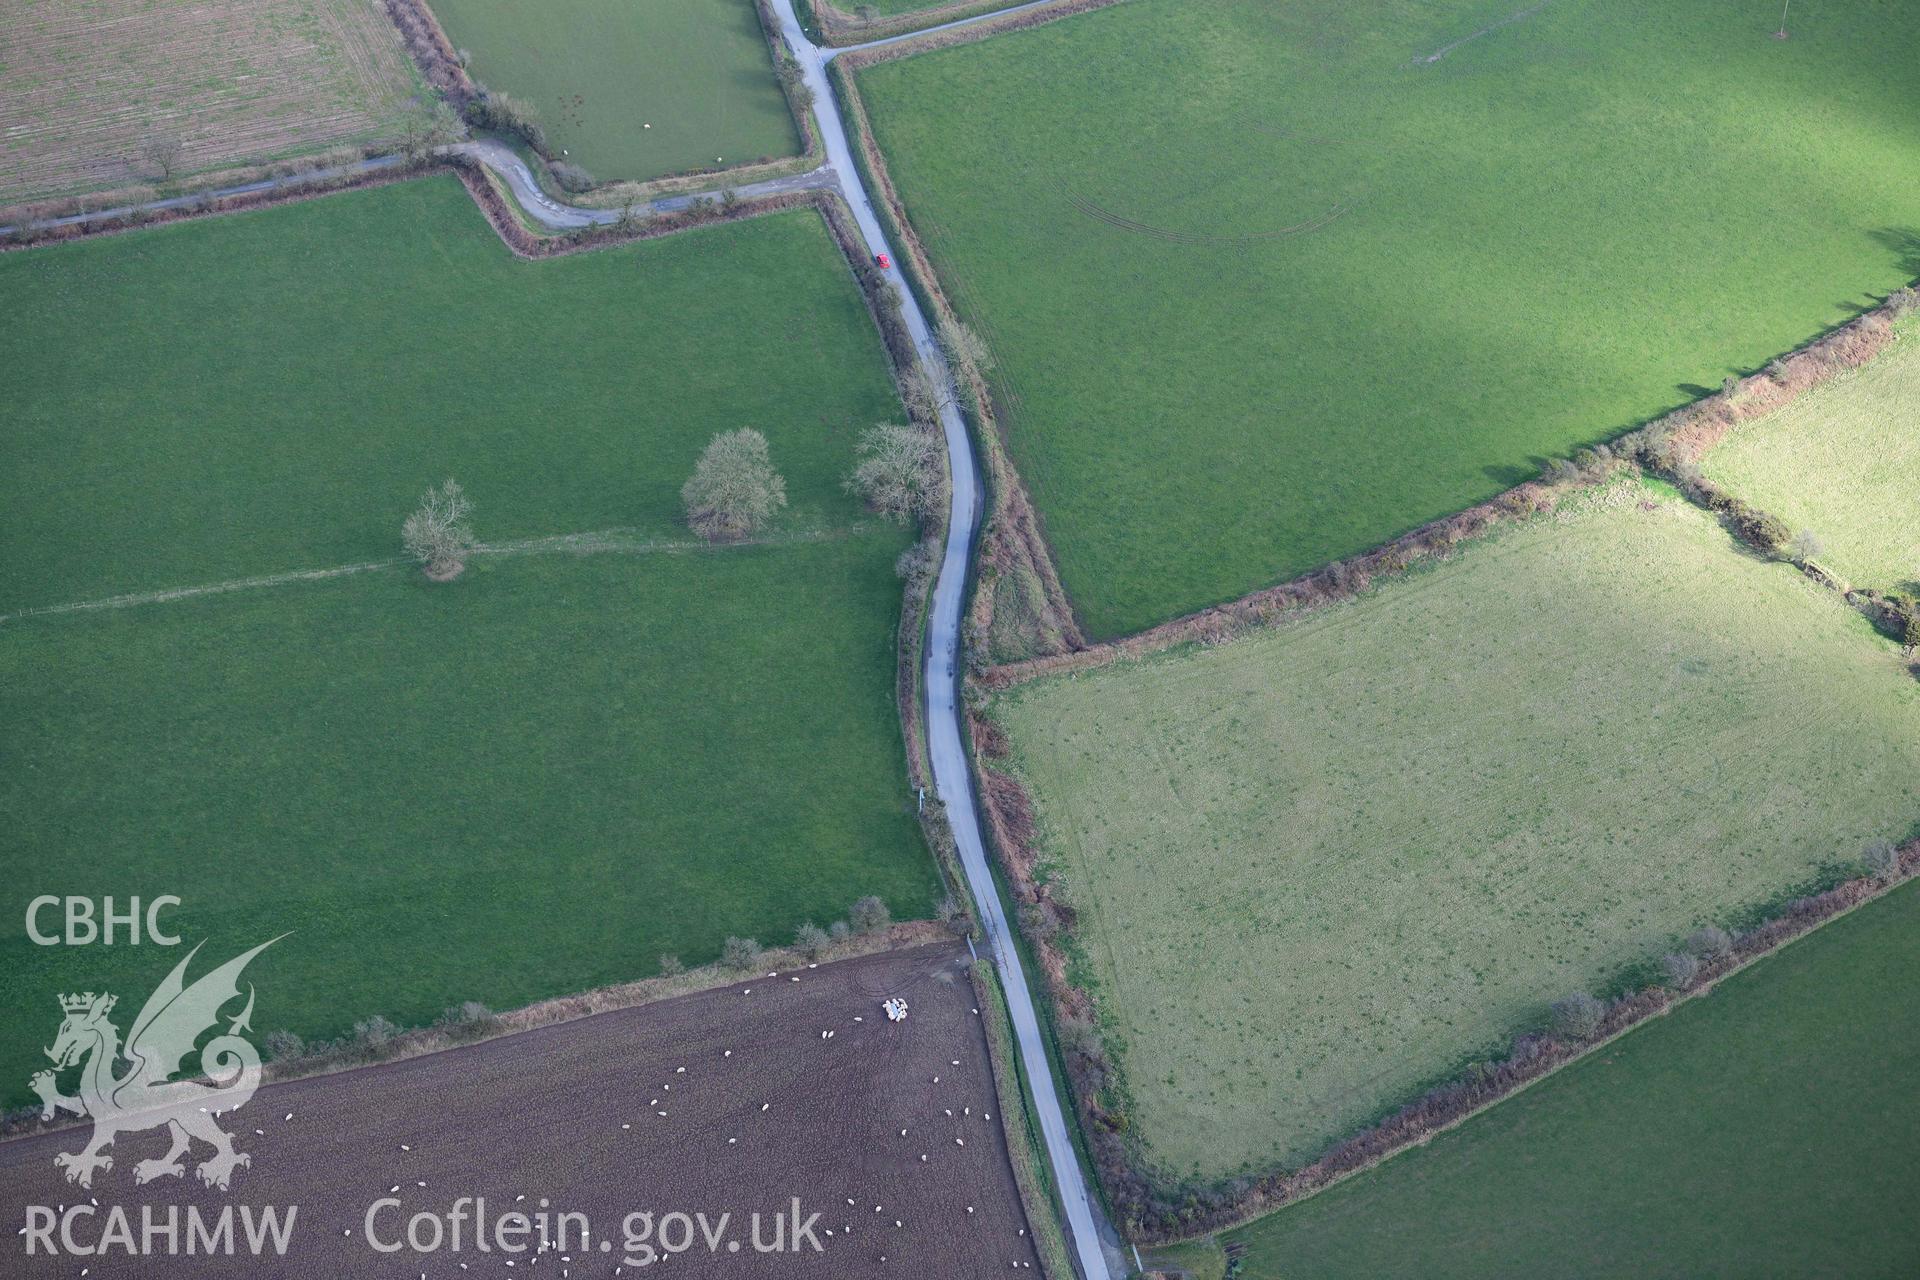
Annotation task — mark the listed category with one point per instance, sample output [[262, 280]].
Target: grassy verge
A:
[[1325, 866], [1031, 1168], [1403, 329], [1769, 1130]]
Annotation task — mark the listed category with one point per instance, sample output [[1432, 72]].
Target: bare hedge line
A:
[[528, 243], [432, 52], [1154, 1211], [839, 27], [1672, 447], [209, 205], [1013, 540], [812, 153], [1668, 446], [394, 1043], [946, 13], [191, 184]]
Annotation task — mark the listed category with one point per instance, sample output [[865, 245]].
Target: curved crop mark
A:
[[1101, 214]]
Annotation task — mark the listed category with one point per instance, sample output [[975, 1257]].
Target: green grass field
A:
[[1768, 1130], [633, 90], [312, 369], [1265, 292], [1843, 461], [1322, 867], [533, 780]]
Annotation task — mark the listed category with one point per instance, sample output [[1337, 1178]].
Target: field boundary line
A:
[[988, 21], [426, 42], [616, 541], [1014, 538], [419, 1042], [1871, 891], [1674, 438], [840, 29], [1678, 435], [433, 53], [1009, 813], [1030, 1170], [374, 171]]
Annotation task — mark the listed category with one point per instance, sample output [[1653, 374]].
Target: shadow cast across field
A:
[[1904, 244]]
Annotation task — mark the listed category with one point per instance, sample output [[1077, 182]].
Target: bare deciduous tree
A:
[[425, 126], [283, 1046], [1806, 545], [962, 346], [740, 953], [375, 1031], [926, 391], [868, 914], [1881, 858], [1710, 943], [437, 533], [900, 472], [160, 153], [734, 489], [1578, 1016], [810, 939], [1681, 969]]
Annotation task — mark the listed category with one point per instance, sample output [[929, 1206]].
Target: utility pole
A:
[[1781, 34]]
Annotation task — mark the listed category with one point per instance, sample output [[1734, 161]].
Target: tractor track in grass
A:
[[1445, 49], [598, 542]]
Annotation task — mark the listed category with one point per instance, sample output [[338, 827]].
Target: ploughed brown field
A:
[[765, 1110], [90, 87]]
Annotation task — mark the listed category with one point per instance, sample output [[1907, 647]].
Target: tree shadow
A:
[[1509, 475], [1904, 244]]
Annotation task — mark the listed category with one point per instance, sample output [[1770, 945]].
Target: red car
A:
[[883, 262]]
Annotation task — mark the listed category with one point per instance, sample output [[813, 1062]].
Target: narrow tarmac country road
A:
[[950, 773], [1090, 1233]]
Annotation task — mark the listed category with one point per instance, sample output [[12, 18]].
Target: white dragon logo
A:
[[146, 1097]]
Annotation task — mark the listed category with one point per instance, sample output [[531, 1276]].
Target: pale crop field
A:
[[1844, 462], [86, 84], [1322, 867]]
